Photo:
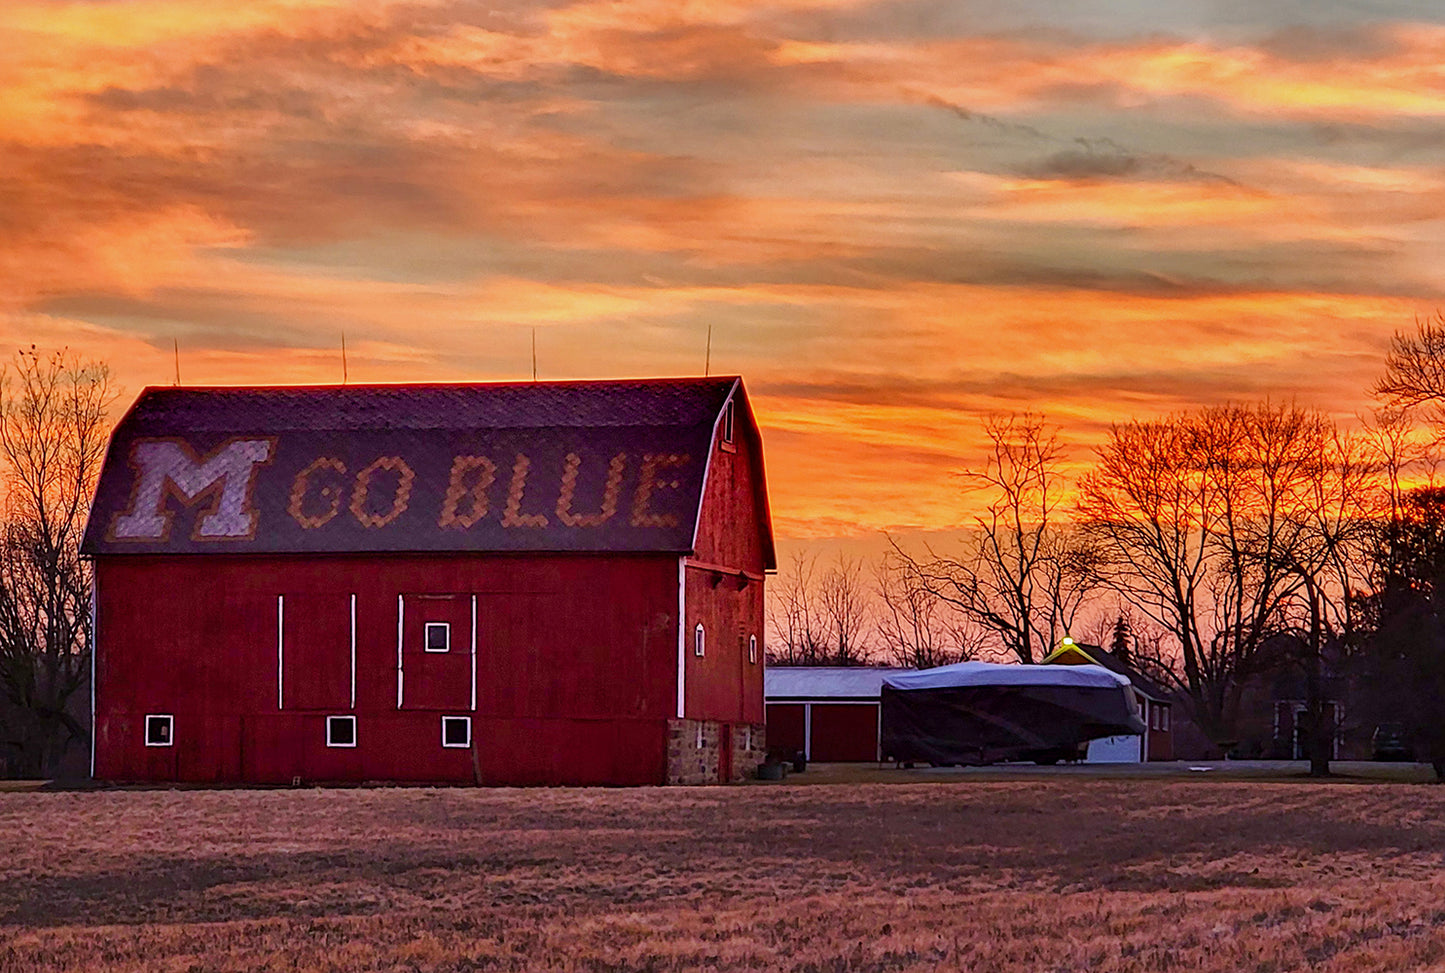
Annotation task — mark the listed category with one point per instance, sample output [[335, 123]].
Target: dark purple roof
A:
[[528, 466], [1141, 682]]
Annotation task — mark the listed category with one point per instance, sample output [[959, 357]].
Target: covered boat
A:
[[984, 712]]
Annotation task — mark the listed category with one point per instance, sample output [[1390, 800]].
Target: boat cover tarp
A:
[[982, 712]]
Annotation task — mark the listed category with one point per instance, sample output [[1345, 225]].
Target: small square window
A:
[[456, 731], [160, 730], [341, 731], [699, 641], [438, 636], [753, 649]]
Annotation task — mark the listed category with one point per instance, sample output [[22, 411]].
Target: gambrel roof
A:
[[525, 466]]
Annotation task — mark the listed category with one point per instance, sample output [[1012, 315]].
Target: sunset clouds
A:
[[896, 216]]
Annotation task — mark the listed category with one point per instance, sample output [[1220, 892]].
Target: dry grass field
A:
[[998, 876]]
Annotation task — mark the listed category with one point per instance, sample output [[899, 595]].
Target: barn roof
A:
[[527, 466]]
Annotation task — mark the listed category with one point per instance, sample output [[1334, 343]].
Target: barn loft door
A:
[[437, 652], [315, 652]]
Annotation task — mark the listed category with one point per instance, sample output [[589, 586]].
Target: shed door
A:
[[437, 652], [844, 731], [786, 733], [315, 652]]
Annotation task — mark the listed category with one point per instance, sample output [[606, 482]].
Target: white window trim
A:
[[354, 735], [170, 729], [753, 649], [426, 636], [457, 746], [699, 641], [729, 422]]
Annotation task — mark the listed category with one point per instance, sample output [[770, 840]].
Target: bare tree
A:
[[1206, 522], [1022, 575], [793, 616], [1415, 366], [820, 617], [1326, 567], [917, 628], [845, 605], [53, 426]]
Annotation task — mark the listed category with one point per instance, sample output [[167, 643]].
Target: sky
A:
[[896, 216]]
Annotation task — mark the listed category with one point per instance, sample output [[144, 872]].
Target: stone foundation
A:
[[694, 750], [750, 748]]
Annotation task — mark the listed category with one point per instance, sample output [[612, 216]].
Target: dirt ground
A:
[[963, 872]]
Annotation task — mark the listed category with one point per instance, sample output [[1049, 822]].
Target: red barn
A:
[[540, 583]]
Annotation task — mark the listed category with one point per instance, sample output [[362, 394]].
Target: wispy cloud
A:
[[896, 216]]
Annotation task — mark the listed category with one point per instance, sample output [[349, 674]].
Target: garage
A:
[[829, 713]]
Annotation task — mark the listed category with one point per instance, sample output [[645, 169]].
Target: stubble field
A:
[[999, 876]]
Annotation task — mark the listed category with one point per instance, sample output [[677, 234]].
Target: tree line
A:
[[1230, 541], [1221, 543]]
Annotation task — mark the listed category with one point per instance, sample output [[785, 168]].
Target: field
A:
[[1044, 874]]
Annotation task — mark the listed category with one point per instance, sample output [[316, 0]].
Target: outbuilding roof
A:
[[824, 682], [521, 466], [1099, 656]]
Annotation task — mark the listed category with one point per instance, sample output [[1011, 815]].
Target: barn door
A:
[[725, 754], [437, 652], [315, 652]]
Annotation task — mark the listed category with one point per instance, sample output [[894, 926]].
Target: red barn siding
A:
[[576, 667], [724, 586], [318, 657], [730, 531], [723, 684]]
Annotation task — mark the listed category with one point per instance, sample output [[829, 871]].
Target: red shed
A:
[[539, 583]]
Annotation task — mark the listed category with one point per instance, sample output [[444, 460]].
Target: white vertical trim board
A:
[[808, 730], [400, 623], [474, 653], [280, 651], [353, 651], [681, 638]]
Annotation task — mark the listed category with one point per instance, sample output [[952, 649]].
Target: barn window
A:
[[699, 641], [341, 731], [160, 730], [456, 731], [699, 736], [753, 649], [727, 429], [1164, 718], [438, 636]]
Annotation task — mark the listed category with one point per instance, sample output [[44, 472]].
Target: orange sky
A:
[[896, 216]]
